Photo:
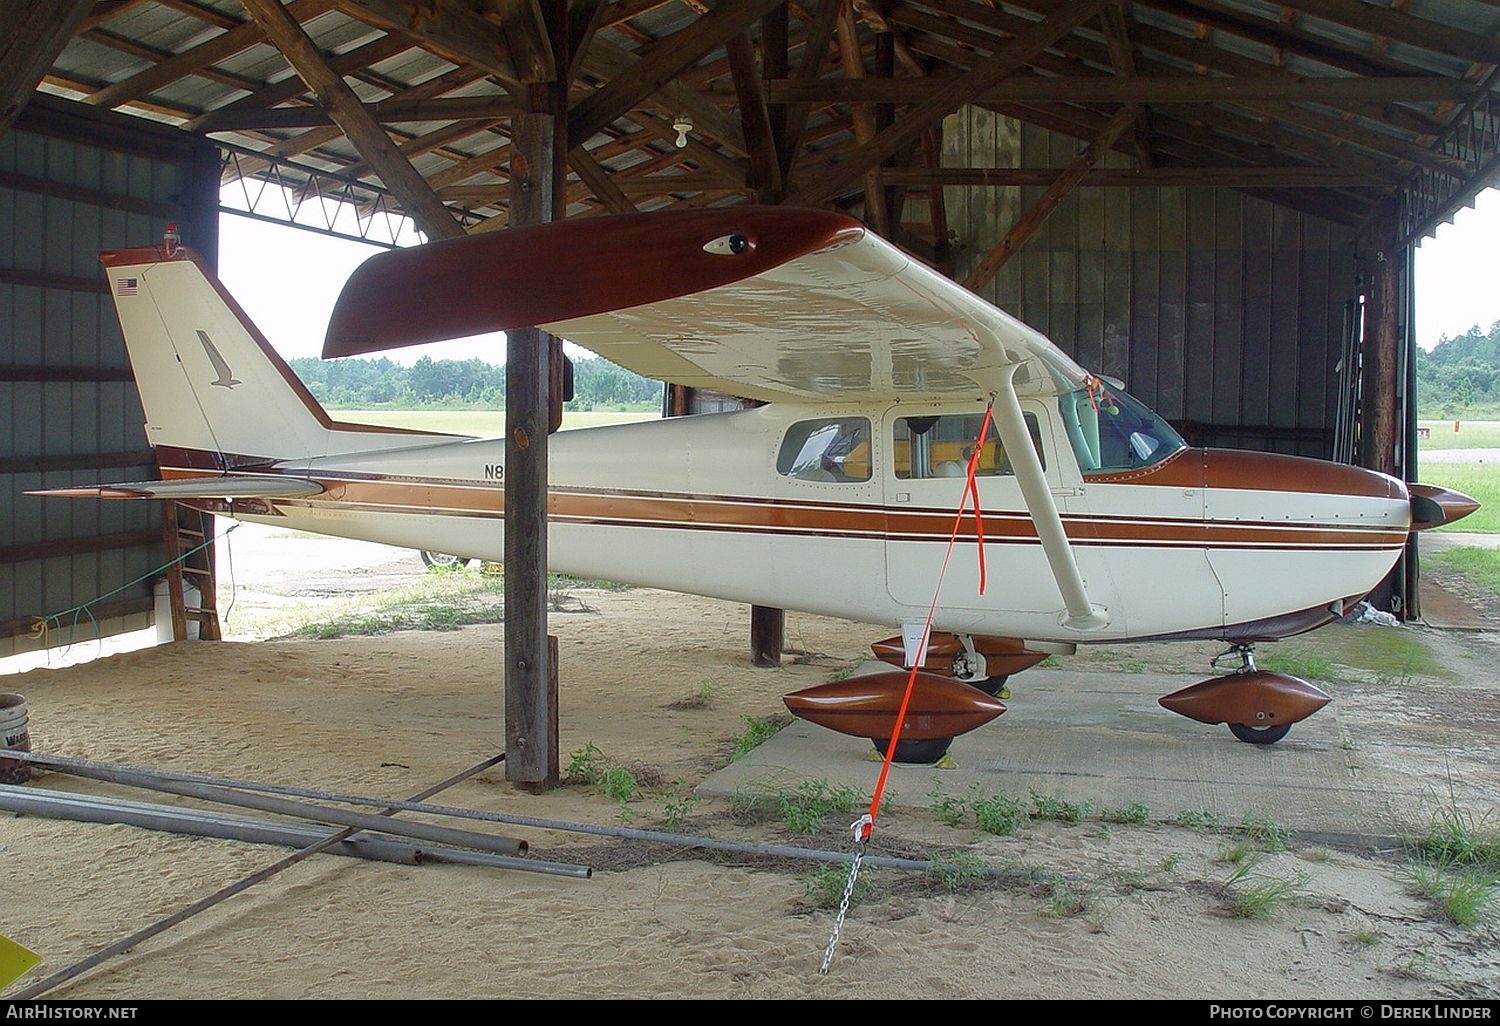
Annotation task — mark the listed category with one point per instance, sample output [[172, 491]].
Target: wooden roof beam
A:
[[814, 54], [1155, 89], [526, 38], [1402, 27], [293, 87], [191, 62], [755, 117], [32, 34], [851, 57], [607, 62], [599, 181], [416, 197], [102, 11], [1007, 59], [1242, 177], [663, 62], [1122, 56], [391, 111], [1027, 224], [455, 33]]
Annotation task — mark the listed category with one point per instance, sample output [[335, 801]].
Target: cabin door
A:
[[925, 462]]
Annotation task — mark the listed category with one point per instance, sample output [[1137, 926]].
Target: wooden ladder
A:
[[183, 530]]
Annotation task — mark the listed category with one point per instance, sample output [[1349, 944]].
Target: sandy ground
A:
[[660, 683]]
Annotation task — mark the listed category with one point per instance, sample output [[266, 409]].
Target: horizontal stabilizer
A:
[[228, 486]]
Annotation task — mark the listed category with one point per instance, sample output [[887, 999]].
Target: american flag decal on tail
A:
[[127, 286]]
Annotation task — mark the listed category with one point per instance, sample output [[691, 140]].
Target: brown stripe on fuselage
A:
[[1257, 471], [789, 517]]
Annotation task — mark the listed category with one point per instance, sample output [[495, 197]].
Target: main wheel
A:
[[920, 752], [443, 561], [991, 686], [1259, 735]]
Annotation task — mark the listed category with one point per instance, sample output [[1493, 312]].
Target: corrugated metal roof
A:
[[1238, 39]]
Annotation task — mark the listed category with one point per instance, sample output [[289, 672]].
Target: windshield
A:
[[1111, 430]]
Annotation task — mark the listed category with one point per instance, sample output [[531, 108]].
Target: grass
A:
[[1470, 435], [1479, 565], [1299, 662], [1478, 481], [1463, 895], [701, 697], [1045, 806], [1199, 819], [1134, 813], [824, 886], [1456, 837], [804, 810], [1000, 814], [435, 602], [957, 871], [1064, 902], [1364, 938], [1251, 897], [1264, 832], [758, 730]]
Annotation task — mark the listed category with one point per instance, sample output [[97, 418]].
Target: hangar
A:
[[1215, 201]]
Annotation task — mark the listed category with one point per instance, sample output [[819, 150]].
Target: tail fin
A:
[[209, 381]]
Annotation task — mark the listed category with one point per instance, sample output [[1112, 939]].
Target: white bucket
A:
[[191, 597], [14, 733]]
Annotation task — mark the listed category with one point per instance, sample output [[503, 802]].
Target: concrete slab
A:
[[1101, 738]]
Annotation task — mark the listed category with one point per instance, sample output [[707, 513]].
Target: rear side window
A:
[[831, 449]]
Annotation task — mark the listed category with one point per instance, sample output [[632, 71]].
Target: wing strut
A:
[[1081, 614]]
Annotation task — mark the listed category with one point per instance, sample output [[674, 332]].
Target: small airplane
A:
[[893, 394]]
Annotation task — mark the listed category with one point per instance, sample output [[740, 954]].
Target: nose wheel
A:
[[1259, 735]]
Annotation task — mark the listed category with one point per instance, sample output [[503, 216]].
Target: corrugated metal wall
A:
[[74, 183], [1221, 311]]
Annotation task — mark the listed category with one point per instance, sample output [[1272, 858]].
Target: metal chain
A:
[[838, 923]]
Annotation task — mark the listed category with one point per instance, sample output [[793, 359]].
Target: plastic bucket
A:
[[14, 735]]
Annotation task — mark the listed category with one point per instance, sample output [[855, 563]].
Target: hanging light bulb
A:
[[682, 126]]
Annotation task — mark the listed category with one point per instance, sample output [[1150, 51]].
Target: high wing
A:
[[219, 486], [768, 303]]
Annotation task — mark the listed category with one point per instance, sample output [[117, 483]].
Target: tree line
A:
[[357, 384], [1460, 377]]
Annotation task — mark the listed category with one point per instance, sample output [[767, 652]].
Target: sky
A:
[[288, 280]]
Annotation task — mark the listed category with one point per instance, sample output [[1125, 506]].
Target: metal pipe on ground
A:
[[36, 801], [64, 763], [151, 780], [124, 944]]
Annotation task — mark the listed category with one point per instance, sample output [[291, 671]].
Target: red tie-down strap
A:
[[866, 825]]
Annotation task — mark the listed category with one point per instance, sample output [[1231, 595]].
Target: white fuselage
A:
[[698, 505]]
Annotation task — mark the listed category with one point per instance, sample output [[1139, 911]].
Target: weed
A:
[[1465, 896], [1314, 855], [1264, 831], [1050, 663], [1365, 938], [824, 886], [701, 697], [1199, 819], [754, 807], [843, 674], [957, 871], [1051, 807], [948, 809], [1299, 662], [620, 784], [586, 765], [1135, 812], [758, 730], [804, 810], [1064, 902], [1260, 899], [1458, 837], [1170, 863], [679, 805], [1236, 855], [1348, 744], [999, 814]]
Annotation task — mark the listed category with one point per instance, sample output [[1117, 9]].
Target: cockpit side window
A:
[[941, 446], [1111, 431], [834, 449]]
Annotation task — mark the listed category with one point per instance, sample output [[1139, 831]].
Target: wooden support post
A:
[[538, 166], [851, 55], [755, 118], [937, 209], [1378, 428], [1034, 218], [767, 629]]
